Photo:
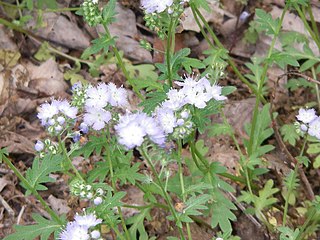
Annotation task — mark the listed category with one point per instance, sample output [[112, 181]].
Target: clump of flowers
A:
[[133, 128], [57, 115], [174, 114], [309, 122], [81, 228], [99, 101]]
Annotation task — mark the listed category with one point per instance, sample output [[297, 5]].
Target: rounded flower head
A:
[[306, 115], [118, 96], [39, 146], [314, 128], [96, 117], [46, 112], [98, 96], [131, 136], [166, 119], [87, 221], [151, 6], [74, 231]]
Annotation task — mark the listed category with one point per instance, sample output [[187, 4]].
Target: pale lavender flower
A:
[[97, 200], [97, 118], [74, 231], [314, 128], [166, 118], [118, 96], [98, 96], [95, 234], [133, 128], [131, 136], [195, 91], [66, 109], [87, 221], [176, 100], [153, 129], [151, 6], [306, 115], [39, 146], [215, 92], [84, 128], [46, 112]]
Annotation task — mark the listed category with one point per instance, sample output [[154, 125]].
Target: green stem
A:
[[169, 51], [286, 206], [32, 190], [261, 83], [66, 156], [313, 22], [179, 158], [314, 76], [159, 183], [305, 23], [302, 233], [123, 223], [197, 13], [121, 64]]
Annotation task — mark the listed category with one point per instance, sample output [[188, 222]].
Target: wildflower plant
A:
[[139, 147]]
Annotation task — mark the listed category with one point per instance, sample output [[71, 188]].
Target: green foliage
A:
[[262, 132], [314, 148], [265, 22], [291, 182], [263, 201], [282, 59], [95, 144], [201, 4], [256, 75], [290, 134], [106, 209], [43, 228], [3, 154], [137, 225], [101, 43], [126, 173], [38, 174], [191, 207], [287, 233], [108, 12], [296, 83], [177, 61], [220, 129], [153, 99]]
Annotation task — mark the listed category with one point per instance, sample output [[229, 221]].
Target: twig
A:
[[309, 79], [6, 206], [20, 214], [293, 161]]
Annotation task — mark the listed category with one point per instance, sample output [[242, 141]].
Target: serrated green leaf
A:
[[265, 198], [108, 12], [220, 129], [102, 43], [283, 59], [43, 228], [289, 133], [265, 22], [94, 144], [307, 65], [153, 100], [294, 84], [126, 173], [38, 174]]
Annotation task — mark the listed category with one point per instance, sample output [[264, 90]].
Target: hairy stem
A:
[[159, 183], [32, 190]]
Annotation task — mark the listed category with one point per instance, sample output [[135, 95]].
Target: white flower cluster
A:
[[79, 229], [134, 127], [151, 6], [171, 118], [99, 99], [309, 122], [55, 115]]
